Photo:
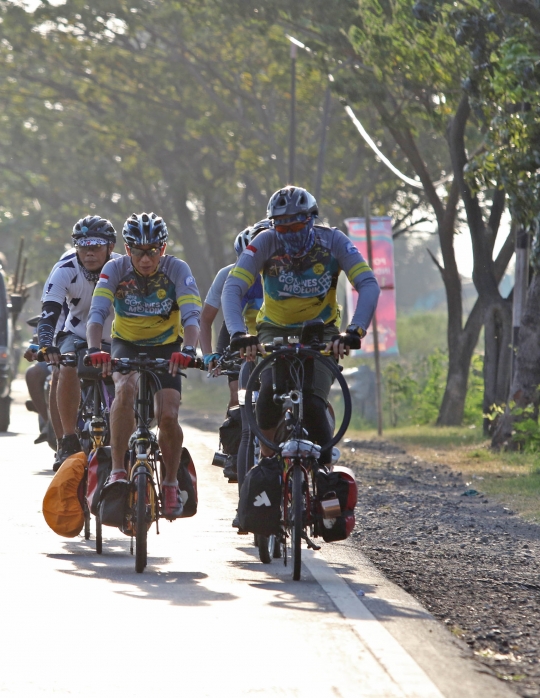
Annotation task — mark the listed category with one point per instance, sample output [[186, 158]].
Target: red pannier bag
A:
[[99, 469], [339, 484]]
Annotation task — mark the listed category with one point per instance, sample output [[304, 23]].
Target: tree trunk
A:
[[497, 357], [460, 351], [525, 386]]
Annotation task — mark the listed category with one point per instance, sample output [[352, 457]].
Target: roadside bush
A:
[[413, 391]]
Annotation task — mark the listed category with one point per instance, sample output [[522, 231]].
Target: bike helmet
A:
[[93, 230], [290, 201], [145, 229], [241, 241], [265, 224]]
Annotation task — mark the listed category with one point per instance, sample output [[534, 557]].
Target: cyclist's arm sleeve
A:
[[213, 297], [241, 278], [47, 323], [103, 296], [361, 277], [187, 295]]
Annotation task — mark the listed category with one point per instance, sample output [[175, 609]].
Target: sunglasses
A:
[[139, 254], [88, 248]]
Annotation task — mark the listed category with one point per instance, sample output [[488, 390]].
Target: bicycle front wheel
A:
[[141, 529], [296, 522]]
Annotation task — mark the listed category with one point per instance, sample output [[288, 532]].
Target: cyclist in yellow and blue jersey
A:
[[300, 262], [157, 307]]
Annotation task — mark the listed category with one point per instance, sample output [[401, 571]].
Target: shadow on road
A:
[[116, 565]]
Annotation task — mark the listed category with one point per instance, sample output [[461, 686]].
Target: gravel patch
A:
[[473, 563]]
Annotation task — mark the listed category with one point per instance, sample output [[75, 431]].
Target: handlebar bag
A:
[[230, 432], [62, 507], [187, 484], [99, 469], [259, 508], [341, 483]]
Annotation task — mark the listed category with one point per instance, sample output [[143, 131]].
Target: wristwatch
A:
[[189, 350], [356, 329]]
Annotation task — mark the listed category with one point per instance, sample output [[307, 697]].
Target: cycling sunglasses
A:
[[139, 254], [291, 224]]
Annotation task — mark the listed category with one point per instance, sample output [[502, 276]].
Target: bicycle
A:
[[144, 460], [301, 507]]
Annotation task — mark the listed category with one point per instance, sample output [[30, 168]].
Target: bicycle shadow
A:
[[117, 566], [308, 595]]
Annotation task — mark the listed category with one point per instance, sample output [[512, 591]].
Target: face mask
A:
[[300, 243]]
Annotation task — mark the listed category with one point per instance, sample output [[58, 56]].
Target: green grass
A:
[[207, 396], [512, 478]]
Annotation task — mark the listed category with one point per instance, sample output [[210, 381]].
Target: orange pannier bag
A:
[[62, 508]]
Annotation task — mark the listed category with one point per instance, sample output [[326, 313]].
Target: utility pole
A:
[[521, 282], [367, 214], [292, 127]]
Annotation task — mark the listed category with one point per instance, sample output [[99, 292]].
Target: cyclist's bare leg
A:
[[68, 396], [35, 382], [122, 417], [53, 404], [171, 436], [269, 434], [233, 391]]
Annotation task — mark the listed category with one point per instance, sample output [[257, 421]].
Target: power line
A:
[[365, 135]]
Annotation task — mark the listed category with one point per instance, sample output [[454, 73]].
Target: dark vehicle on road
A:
[[7, 369]]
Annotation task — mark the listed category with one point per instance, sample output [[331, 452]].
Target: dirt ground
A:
[[473, 563]]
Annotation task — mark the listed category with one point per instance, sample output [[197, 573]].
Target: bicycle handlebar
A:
[[65, 360], [143, 363]]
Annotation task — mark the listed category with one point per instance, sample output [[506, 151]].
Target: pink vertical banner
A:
[[383, 268]]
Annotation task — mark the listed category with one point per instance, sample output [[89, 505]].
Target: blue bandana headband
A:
[[300, 243]]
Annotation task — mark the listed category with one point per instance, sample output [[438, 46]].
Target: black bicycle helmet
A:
[[93, 227], [145, 229], [291, 200], [265, 224]]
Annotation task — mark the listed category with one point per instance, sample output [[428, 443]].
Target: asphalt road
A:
[[206, 618]]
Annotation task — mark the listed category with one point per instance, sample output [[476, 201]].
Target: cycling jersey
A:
[[69, 281], [147, 308], [251, 301], [300, 289]]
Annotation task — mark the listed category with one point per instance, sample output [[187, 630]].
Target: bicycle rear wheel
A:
[[140, 521], [99, 535], [296, 523], [267, 546]]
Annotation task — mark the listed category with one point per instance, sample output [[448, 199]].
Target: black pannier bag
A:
[[99, 469], [259, 508], [187, 484], [230, 432], [114, 503], [339, 484]]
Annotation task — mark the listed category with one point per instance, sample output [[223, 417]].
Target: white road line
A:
[[398, 664]]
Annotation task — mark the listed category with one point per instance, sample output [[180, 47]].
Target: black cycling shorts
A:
[[121, 349]]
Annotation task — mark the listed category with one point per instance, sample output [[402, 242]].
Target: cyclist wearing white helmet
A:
[[157, 306], [74, 279], [251, 304]]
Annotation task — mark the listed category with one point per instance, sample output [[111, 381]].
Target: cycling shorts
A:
[[126, 350]]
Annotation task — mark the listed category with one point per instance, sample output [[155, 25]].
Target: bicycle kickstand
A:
[[310, 543]]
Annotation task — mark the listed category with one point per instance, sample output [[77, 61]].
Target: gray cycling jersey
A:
[[300, 289], [213, 297]]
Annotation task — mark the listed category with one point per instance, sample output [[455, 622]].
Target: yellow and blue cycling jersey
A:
[[300, 289], [149, 310]]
